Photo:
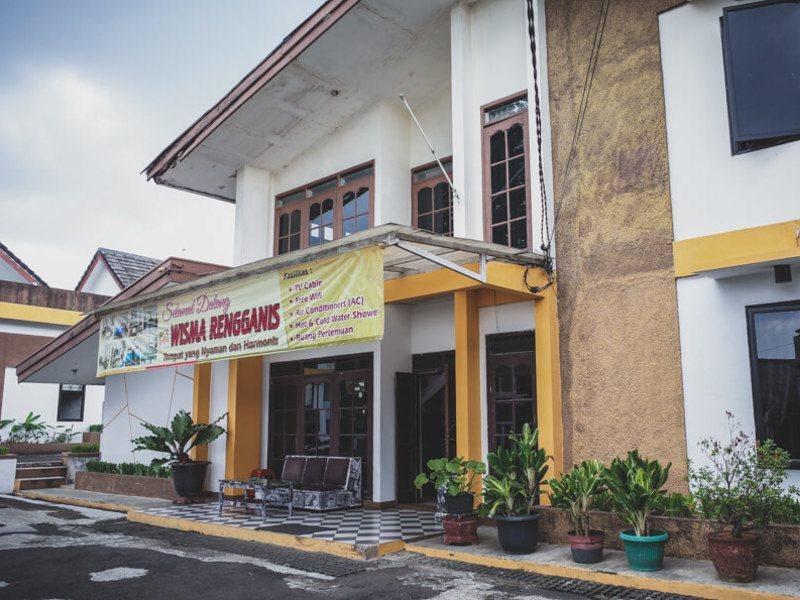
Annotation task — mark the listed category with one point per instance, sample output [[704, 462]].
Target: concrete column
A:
[[468, 364], [201, 403], [253, 226], [461, 98], [243, 449]]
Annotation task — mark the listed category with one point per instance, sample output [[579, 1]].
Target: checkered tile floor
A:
[[357, 526]]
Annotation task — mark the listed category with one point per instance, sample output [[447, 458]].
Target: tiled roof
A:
[[128, 267], [4, 250]]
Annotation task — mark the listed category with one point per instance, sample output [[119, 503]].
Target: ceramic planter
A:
[[459, 505], [735, 559], [518, 535], [586, 549], [645, 552], [189, 477], [8, 472]]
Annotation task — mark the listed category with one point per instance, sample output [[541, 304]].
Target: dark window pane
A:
[[360, 421], [504, 412], [424, 203], [295, 221], [360, 446], [502, 380], [294, 242], [283, 246], [324, 445], [289, 444], [362, 201], [327, 211], [283, 227], [425, 222], [518, 203], [278, 396], [345, 422], [310, 445], [497, 147], [523, 380], [500, 234], [498, 178], [290, 422], [516, 172], [314, 212], [516, 141], [519, 233], [441, 222], [345, 446], [524, 414], [441, 196], [310, 424], [499, 209], [349, 204], [70, 402]]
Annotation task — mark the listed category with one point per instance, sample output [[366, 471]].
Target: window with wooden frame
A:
[[71, 399], [432, 198], [506, 181], [325, 210]]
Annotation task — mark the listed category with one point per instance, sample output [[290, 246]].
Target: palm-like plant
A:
[[636, 486], [577, 491], [29, 430], [179, 438], [516, 475]]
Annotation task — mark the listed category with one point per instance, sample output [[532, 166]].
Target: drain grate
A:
[[596, 591]]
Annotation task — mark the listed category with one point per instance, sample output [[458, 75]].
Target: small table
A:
[[272, 492]]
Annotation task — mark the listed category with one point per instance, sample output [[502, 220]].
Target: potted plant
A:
[[456, 477], [176, 441], [636, 486], [77, 456], [577, 492], [511, 490], [8, 470], [740, 488]]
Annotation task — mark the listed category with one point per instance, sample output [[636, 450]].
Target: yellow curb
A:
[[702, 590], [112, 506], [251, 535]]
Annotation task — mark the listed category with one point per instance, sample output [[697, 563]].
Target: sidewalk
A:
[[679, 576], [67, 494]]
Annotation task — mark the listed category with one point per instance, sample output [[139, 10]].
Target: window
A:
[[512, 385], [505, 175], [774, 336], [335, 207], [70, 402], [432, 198], [761, 51]]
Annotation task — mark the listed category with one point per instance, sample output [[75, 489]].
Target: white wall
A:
[[714, 351], [432, 326], [218, 405], [101, 281], [153, 396], [254, 218], [28, 328], [713, 191], [42, 399]]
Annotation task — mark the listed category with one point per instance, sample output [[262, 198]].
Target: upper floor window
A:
[[774, 334], [334, 207], [506, 181], [432, 198], [761, 50]]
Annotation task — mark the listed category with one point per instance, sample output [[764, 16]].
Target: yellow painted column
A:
[[468, 393], [201, 403], [548, 380], [243, 450]]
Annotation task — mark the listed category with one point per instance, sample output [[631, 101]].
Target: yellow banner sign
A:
[[326, 302]]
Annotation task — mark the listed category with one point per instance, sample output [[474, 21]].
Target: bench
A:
[[323, 482]]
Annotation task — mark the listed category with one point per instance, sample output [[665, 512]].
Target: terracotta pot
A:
[[735, 559], [586, 549], [460, 529]]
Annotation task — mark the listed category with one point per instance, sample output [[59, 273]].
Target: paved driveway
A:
[[54, 551]]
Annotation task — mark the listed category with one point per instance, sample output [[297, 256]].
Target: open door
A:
[[407, 428]]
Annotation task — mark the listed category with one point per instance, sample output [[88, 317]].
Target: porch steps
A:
[[35, 476]]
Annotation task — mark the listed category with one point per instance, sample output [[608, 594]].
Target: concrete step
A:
[[37, 483], [40, 463], [27, 472]]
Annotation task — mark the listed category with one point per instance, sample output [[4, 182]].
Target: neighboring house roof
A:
[[170, 271], [125, 267], [20, 267]]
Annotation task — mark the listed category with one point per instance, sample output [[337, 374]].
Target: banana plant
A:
[[636, 486], [577, 491], [29, 430], [179, 438]]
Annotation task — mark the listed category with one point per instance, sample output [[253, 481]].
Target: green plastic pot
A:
[[646, 552]]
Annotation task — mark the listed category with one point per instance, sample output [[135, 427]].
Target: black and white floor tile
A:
[[357, 526]]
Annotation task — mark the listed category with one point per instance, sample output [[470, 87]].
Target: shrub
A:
[[141, 470], [85, 448], [31, 429], [62, 434], [577, 491], [456, 475], [3, 450], [636, 485], [96, 428], [675, 504], [787, 509], [741, 487]]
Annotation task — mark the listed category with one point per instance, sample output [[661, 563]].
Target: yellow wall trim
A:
[[39, 314], [201, 404], [736, 248], [243, 447]]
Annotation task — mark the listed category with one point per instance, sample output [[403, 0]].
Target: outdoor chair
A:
[[323, 482]]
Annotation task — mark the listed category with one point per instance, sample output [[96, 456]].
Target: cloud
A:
[[72, 149]]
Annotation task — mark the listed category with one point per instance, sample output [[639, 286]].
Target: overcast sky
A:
[[90, 92]]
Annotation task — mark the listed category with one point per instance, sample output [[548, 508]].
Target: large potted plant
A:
[[511, 490], [176, 441], [456, 476], [636, 486], [741, 488], [577, 493]]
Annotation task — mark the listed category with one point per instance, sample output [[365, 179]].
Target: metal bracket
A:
[[447, 264]]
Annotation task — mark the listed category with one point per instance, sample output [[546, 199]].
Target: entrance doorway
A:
[[426, 420]]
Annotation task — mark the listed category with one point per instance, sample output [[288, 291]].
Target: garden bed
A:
[[128, 485], [26, 448], [780, 544]]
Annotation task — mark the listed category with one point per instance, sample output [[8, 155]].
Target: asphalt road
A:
[[50, 551]]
